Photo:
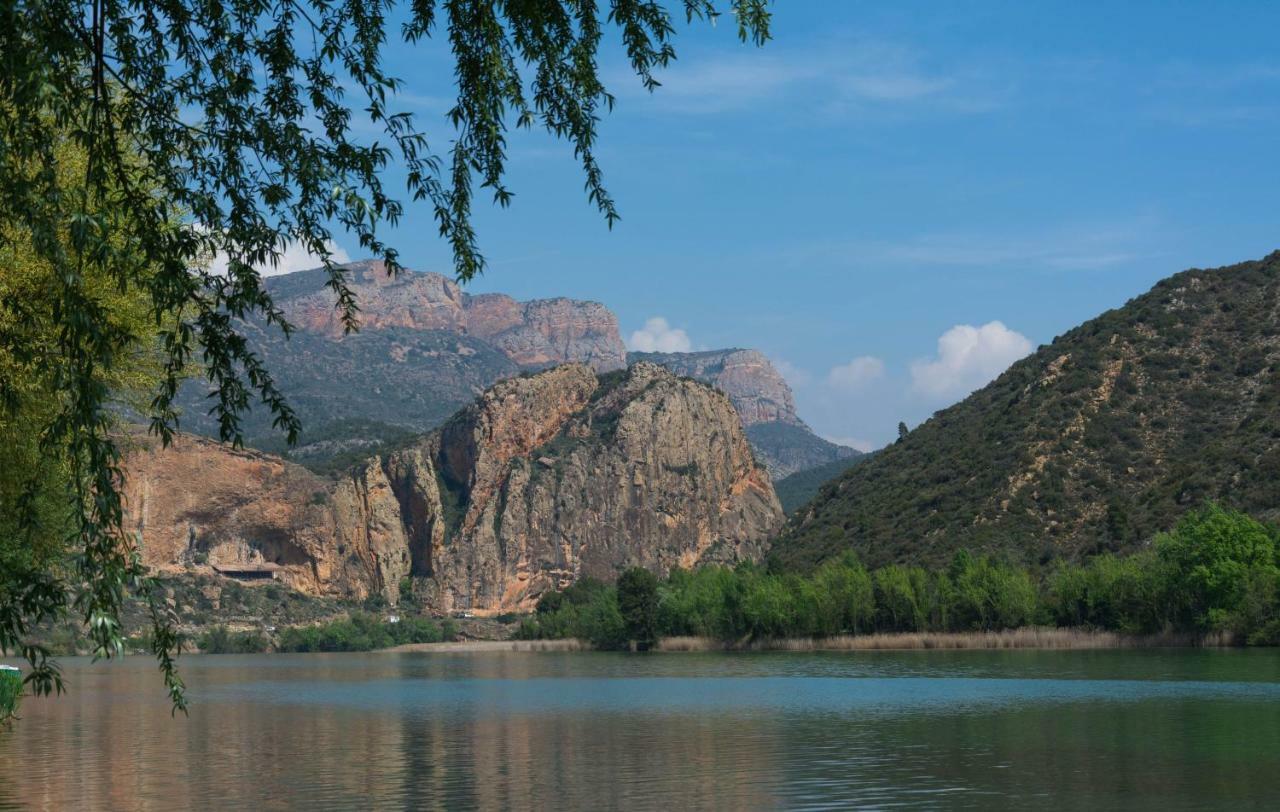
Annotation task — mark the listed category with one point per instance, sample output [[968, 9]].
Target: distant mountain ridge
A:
[[537, 333], [426, 348], [1094, 442]]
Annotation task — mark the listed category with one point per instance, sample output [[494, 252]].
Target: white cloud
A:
[[856, 374], [855, 76], [968, 357], [294, 257], [659, 336]]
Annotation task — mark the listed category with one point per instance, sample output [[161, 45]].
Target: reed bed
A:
[[478, 646], [1025, 638]]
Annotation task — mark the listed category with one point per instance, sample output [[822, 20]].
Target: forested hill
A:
[[1094, 442]]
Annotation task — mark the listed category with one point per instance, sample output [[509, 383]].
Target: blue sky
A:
[[883, 177]]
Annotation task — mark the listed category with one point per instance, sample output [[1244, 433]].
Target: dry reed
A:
[[1026, 638]]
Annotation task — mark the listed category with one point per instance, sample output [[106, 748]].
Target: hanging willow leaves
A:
[[226, 127]]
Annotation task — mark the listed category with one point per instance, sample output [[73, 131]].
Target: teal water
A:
[[1168, 729]]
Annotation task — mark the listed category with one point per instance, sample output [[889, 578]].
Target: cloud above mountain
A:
[[658, 335], [968, 358], [856, 374], [294, 257]]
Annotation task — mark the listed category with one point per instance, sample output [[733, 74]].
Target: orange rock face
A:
[[543, 480]]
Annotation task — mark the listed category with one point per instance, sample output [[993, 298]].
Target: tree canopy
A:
[[216, 126]]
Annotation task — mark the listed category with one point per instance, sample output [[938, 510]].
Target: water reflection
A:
[[542, 731]]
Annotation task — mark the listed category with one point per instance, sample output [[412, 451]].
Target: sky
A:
[[893, 201]]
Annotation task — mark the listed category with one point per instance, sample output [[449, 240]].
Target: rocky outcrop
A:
[[782, 441], [758, 390], [199, 503], [543, 480], [539, 333], [545, 332]]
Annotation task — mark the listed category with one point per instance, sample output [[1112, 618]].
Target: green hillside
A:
[[359, 393], [796, 490], [1094, 442]]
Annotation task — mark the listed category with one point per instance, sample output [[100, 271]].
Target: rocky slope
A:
[[757, 389], [424, 350], [1094, 442], [542, 480], [543, 332], [764, 401]]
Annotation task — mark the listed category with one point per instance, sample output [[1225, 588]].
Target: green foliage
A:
[[1212, 556], [10, 693], [638, 605], [587, 610], [1216, 571], [362, 632], [985, 595], [220, 640]]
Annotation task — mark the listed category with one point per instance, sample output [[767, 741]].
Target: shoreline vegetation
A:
[[1216, 576], [1213, 581], [1027, 639]]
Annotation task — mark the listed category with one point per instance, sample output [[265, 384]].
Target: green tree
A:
[[1211, 554], [235, 122], [845, 597], [897, 604], [638, 603]]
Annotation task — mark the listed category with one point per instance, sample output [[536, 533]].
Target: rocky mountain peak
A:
[[542, 480]]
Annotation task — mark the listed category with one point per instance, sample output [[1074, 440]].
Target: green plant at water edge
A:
[[220, 640], [363, 631], [10, 693], [638, 605]]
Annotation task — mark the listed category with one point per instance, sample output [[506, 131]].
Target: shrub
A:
[[220, 640]]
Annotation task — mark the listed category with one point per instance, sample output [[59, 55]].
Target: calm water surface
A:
[[1048, 730]]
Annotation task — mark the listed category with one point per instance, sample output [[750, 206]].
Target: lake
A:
[[1160, 729]]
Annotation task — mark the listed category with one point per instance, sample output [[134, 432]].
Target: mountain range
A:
[[426, 348]]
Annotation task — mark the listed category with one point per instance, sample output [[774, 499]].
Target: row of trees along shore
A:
[[1217, 572]]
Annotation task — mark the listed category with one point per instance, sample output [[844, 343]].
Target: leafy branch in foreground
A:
[[210, 127]]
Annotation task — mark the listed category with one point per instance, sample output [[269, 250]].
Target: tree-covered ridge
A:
[[1095, 442], [795, 491], [1217, 573]]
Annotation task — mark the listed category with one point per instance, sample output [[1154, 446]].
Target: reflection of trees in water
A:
[[488, 754], [478, 731], [364, 734]]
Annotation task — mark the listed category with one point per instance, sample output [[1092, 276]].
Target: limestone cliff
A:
[[542, 332], [758, 390], [542, 480], [424, 350], [782, 441]]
